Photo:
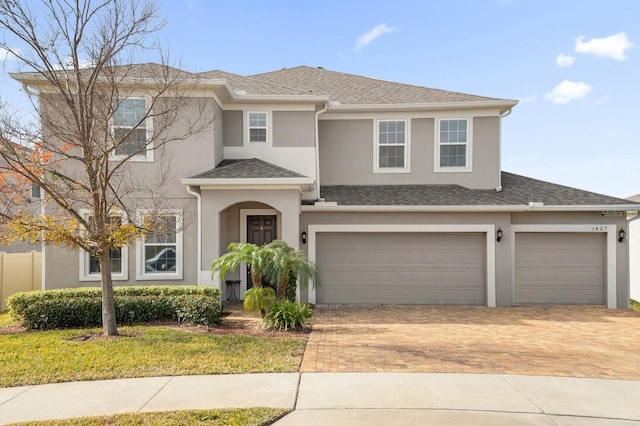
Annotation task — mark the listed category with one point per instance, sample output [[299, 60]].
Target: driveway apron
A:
[[570, 341]]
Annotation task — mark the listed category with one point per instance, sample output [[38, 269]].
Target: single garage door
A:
[[560, 268], [401, 268]]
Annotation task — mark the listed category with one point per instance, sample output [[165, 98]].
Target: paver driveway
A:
[[576, 341]]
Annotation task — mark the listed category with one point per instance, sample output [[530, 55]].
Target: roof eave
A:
[[238, 98], [467, 208], [502, 105], [257, 182]]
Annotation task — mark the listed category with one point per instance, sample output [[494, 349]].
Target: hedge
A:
[[82, 307]]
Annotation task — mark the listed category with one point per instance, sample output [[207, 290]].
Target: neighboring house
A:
[[17, 196], [395, 191], [634, 252]]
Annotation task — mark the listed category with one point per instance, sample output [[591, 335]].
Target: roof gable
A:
[[248, 169]]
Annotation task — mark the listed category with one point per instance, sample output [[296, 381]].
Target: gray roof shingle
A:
[[250, 85], [356, 89], [517, 190], [247, 169]]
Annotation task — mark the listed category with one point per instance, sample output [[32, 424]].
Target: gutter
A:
[[332, 207], [199, 230], [317, 114], [248, 182]]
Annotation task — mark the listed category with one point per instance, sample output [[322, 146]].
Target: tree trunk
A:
[[109, 326], [282, 287], [255, 279]]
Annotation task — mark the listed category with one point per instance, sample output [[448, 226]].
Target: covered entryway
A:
[[560, 268], [402, 268]]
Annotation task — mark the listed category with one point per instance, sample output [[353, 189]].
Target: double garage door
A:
[[560, 268], [450, 268], [402, 268]]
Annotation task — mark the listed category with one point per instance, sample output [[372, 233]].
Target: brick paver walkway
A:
[[576, 341]]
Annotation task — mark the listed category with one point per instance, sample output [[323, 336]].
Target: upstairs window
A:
[[131, 130], [392, 153], [453, 144], [258, 126]]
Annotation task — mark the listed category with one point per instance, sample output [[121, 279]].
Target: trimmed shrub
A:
[[285, 315], [258, 299], [82, 307]]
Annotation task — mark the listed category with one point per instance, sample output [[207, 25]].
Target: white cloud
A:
[[6, 55], [568, 91], [565, 60], [613, 47], [366, 38], [530, 99], [68, 64]]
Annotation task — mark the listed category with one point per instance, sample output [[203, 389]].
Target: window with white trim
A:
[[131, 130], [453, 144], [258, 126], [160, 251], [392, 149], [90, 264]]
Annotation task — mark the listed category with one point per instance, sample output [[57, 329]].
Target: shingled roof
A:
[[517, 190], [356, 89], [247, 169], [252, 86]]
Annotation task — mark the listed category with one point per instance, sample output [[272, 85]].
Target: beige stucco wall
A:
[[347, 152], [293, 129], [62, 265], [233, 128]]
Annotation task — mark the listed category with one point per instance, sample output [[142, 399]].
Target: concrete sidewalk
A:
[[344, 398]]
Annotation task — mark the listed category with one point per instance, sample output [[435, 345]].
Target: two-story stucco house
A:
[[395, 191]]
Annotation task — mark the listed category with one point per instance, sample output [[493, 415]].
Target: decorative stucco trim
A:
[[489, 230]]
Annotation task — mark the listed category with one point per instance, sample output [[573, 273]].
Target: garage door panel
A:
[[401, 268], [560, 268]]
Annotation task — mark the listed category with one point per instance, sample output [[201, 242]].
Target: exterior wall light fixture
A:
[[304, 237], [621, 235], [499, 235]]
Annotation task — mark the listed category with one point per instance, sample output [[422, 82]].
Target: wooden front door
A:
[[261, 230]]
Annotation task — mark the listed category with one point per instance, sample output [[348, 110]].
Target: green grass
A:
[[5, 319], [634, 305], [37, 357], [237, 416]]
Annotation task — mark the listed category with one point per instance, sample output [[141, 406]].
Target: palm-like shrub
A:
[[286, 262], [257, 257], [276, 261]]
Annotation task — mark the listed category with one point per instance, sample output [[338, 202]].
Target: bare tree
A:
[[93, 113]]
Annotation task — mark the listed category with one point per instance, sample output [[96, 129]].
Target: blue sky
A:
[[574, 66]]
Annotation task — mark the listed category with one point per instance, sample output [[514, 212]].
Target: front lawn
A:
[[37, 357], [237, 416]]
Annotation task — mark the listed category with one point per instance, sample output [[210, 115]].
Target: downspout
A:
[[320, 111], [199, 231], [503, 115]]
